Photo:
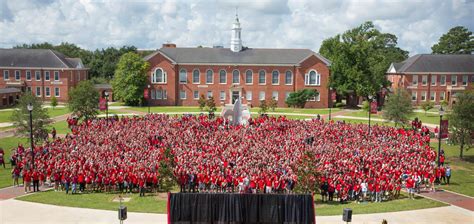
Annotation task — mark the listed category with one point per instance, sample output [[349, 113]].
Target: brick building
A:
[[46, 73], [179, 76], [433, 77]]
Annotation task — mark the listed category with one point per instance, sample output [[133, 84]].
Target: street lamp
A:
[[148, 98], [30, 110], [107, 107], [330, 104], [441, 113], [369, 97]]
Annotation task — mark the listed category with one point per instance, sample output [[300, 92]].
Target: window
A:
[[275, 95], [47, 92], [38, 91], [248, 95], [287, 94], [261, 77], [196, 94], [209, 77], [414, 82], [37, 75], [442, 80], [153, 94], [17, 75], [47, 76], [288, 78], [318, 97], [196, 76], [465, 80], [312, 78], [432, 96], [165, 94], [424, 80], [222, 77], [235, 77], [56, 75], [209, 94], [6, 75], [222, 95], [249, 77], [442, 96], [56, 91], [423, 96], [182, 94], [413, 96], [28, 75], [454, 80], [182, 77], [159, 94], [275, 77], [159, 76], [433, 80], [261, 95]]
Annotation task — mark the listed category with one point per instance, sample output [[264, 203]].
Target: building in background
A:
[[179, 76], [433, 77], [43, 72]]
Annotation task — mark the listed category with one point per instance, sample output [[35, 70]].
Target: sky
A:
[[147, 24]]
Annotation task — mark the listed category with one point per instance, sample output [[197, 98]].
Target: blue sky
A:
[[265, 23]]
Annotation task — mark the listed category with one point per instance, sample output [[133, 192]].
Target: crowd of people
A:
[[209, 155]]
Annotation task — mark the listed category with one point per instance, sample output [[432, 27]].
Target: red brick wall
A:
[[173, 87]]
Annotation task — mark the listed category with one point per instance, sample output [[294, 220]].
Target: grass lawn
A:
[[299, 110], [355, 121], [7, 144], [149, 204], [162, 109], [428, 118], [58, 111], [402, 204], [462, 171], [61, 127]]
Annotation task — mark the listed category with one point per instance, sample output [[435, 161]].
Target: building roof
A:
[[435, 63], [9, 90], [37, 58], [246, 56]]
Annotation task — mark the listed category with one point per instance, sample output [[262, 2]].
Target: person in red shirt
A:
[[410, 185], [27, 181]]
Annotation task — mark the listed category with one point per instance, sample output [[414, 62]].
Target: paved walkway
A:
[[452, 198], [11, 132]]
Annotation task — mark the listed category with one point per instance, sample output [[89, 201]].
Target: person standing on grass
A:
[[448, 173], [2, 159], [26, 181], [410, 184], [35, 177], [16, 174]]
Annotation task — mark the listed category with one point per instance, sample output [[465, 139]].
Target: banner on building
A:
[[102, 104], [373, 107], [444, 129], [145, 94]]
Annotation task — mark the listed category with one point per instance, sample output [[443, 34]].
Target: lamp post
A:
[[330, 104], [369, 97], [441, 113], [30, 110], [107, 107], [148, 98]]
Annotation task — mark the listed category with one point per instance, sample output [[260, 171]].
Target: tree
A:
[[398, 107], [426, 106], [130, 79], [360, 57], [21, 117], [458, 40], [54, 102], [263, 107], [308, 175], [300, 97], [272, 104], [84, 100], [165, 169], [202, 102], [461, 121], [211, 105]]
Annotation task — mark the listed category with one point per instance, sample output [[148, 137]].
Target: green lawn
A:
[[7, 144], [356, 121], [5, 115], [462, 171], [61, 127], [428, 118], [162, 109], [299, 110]]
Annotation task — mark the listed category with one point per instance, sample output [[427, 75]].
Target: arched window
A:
[[236, 77], [209, 77], [288, 78], [275, 77], [222, 76], [196, 76], [183, 79], [261, 77], [313, 78], [249, 77], [159, 76]]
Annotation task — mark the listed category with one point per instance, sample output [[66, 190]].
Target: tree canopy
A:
[[21, 117], [398, 107], [458, 40], [300, 97], [461, 121], [84, 100], [360, 57], [130, 79]]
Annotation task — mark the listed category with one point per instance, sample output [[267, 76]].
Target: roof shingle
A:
[[37, 58]]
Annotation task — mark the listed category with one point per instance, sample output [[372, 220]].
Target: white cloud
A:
[[266, 23]]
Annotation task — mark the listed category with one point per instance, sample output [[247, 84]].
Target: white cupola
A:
[[235, 41]]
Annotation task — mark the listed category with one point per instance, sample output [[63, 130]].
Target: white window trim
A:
[[180, 96], [247, 94], [264, 77], [287, 95], [36, 91], [260, 95], [307, 78], [318, 97], [56, 72], [413, 83], [194, 96], [46, 91], [153, 94], [442, 94], [291, 83], [165, 94], [425, 95], [456, 84], [59, 92], [273, 95], [163, 73], [186, 76], [7, 73], [426, 80], [208, 96], [435, 79], [416, 96], [161, 93], [19, 77], [199, 77], [36, 76], [248, 83], [434, 96], [224, 76], [233, 77], [278, 83], [220, 95], [462, 80], [49, 76], [441, 84], [212, 77], [26, 75]]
